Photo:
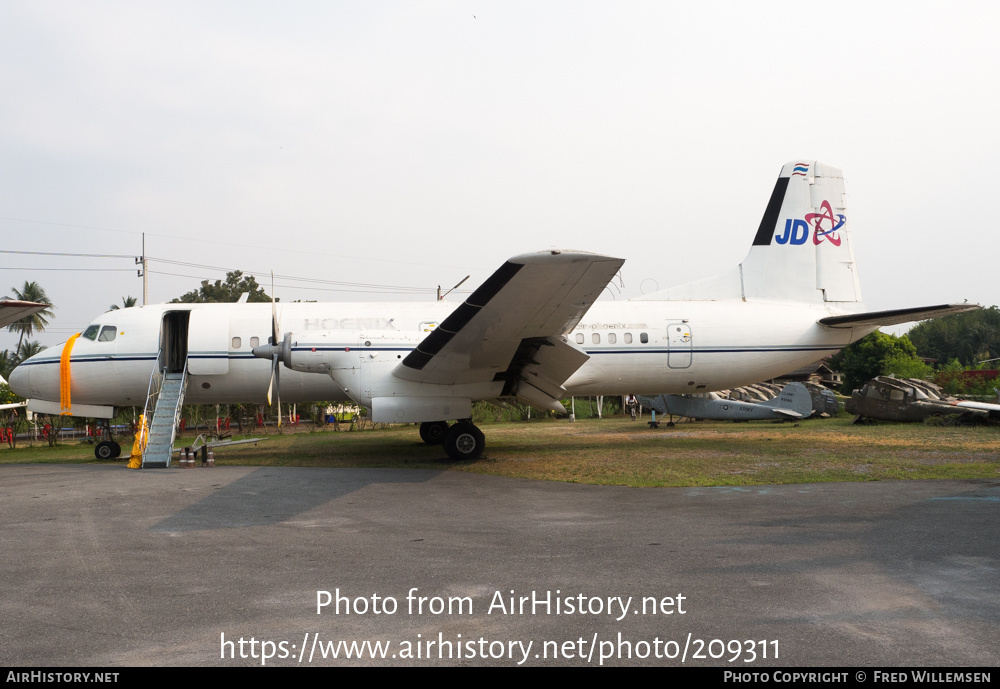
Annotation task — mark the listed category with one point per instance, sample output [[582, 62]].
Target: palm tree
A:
[[8, 361], [28, 350], [129, 302], [36, 321]]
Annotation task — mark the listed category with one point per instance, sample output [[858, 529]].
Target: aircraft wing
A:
[[966, 404], [895, 316], [12, 311], [510, 328]]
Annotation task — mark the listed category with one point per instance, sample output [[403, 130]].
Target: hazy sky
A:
[[412, 143]]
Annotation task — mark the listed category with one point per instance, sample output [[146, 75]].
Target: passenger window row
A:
[[238, 342], [612, 338]]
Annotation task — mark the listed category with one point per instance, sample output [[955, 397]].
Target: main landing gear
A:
[[433, 432], [462, 441]]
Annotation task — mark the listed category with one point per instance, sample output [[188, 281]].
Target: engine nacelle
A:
[[362, 365], [327, 351]]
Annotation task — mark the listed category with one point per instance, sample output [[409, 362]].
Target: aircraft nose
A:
[[20, 381]]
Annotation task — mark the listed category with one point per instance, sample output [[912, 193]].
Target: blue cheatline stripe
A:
[[354, 349], [633, 350], [91, 358]]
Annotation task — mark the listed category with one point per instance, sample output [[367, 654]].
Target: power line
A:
[[346, 288], [62, 270], [63, 253], [228, 244], [264, 274]]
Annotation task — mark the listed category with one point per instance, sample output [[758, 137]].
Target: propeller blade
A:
[[277, 387], [274, 374], [275, 327]]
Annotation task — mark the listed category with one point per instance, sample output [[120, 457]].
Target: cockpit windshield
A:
[[108, 333], [91, 332]]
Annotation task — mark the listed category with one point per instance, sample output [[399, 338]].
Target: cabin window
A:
[[237, 342], [579, 338], [596, 338], [108, 333], [612, 338], [643, 338], [896, 395], [91, 332], [628, 338], [254, 341]]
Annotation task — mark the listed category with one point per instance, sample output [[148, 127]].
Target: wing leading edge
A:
[[509, 329]]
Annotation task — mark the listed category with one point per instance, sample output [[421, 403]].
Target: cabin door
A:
[[680, 345]]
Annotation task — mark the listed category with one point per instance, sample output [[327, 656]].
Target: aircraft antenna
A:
[[442, 296]]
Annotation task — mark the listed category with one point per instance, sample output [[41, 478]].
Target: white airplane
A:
[[531, 332]]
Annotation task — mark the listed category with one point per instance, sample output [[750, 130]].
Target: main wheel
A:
[[464, 441], [433, 432], [107, 449]]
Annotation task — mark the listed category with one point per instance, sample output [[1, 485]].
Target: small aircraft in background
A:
[[912, 399], [792, 403]]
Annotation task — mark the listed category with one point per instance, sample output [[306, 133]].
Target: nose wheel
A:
[[108, 449], [464, 441]]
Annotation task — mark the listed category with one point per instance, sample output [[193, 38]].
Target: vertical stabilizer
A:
[[802, 250]]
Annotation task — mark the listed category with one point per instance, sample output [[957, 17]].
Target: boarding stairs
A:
[[166, 414]]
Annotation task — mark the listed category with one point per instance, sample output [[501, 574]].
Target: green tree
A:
[[128, 302], [225, 292], [28, 350], [36, 321], [8, 360], [878, 354], [969, 337], [11, 418]]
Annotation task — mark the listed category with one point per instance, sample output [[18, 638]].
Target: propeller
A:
[[276, 352]]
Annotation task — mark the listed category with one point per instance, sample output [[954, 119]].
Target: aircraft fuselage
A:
[[635, 347]]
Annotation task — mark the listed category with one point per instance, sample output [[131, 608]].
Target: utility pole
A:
[[143, 272]]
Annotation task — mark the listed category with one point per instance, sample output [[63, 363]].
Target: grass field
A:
[[617, 451]]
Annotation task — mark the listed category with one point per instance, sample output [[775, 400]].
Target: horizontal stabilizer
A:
[[788, 413], [895, 316]]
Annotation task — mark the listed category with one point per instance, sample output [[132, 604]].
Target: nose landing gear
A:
[[108, 449]]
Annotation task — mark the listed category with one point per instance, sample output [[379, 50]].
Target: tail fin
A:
[[802, 251], [794, 398]]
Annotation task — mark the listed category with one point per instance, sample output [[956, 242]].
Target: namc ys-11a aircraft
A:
[[532, 332]]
